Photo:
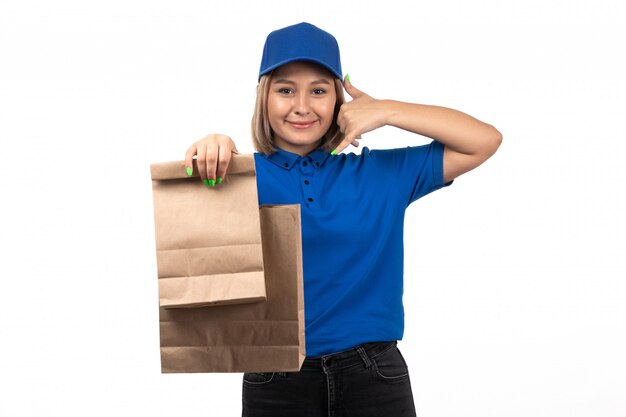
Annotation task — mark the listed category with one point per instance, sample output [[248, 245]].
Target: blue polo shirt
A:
[[352, 211]]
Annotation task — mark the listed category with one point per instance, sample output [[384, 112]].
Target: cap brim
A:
[[307, 59]]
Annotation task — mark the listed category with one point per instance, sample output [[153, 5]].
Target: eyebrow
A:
[[287, 81]]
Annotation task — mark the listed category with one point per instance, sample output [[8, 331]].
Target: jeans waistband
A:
[[359, 354]]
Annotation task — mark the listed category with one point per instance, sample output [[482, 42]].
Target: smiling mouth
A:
[[302, 125]]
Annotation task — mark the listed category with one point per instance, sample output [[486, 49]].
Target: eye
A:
[[319, 91], [285, 90]]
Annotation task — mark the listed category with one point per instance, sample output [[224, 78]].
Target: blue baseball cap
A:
[[301, 42]]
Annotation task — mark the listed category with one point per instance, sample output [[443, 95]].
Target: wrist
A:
[[391, 111]]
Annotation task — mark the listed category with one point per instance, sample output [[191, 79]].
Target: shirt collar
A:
[[287, 160]]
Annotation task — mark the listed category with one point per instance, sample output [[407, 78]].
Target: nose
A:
[[301, 105]]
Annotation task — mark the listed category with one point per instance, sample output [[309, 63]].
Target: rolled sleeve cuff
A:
[[438, 148]]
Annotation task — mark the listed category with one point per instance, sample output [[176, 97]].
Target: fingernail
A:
[[219, 180], [206, 182], [348, 78], [334, 152], [211, 183], [189, 171]]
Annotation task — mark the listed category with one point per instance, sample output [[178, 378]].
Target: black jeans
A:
[[369, 380]]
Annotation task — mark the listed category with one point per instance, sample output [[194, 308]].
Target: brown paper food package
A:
[[259, 337], [208, 241]]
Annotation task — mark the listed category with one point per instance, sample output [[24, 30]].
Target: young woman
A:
[[352, 209]]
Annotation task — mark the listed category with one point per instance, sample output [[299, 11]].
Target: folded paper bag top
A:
[[239, 165], [208, 240]]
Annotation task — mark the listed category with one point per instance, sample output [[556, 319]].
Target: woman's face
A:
[[300, 106]]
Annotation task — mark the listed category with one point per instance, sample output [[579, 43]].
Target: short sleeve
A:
[[415, 171]]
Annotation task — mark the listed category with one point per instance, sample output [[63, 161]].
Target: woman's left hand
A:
[[361, 115]]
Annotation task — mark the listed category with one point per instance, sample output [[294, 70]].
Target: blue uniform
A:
[[352, 210]]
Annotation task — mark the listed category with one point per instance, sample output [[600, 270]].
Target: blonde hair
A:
[[262, 133]]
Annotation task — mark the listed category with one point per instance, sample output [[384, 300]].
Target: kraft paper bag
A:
[[260, 337], [208, 241]]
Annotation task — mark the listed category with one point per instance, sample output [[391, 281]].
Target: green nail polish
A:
[[206, 182], [219, 180], [211, 183], [189, 171], [334, 152], [348, 78]]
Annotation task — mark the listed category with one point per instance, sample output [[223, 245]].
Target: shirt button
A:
[[310, 199], [317, 164], [306, 182], [304, 164], [286, 165]]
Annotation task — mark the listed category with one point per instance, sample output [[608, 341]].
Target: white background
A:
[[515, 276]]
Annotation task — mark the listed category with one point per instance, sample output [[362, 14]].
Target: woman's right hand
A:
[[213, 153]]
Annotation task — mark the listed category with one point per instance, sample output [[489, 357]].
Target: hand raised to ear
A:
[[361, 115]]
